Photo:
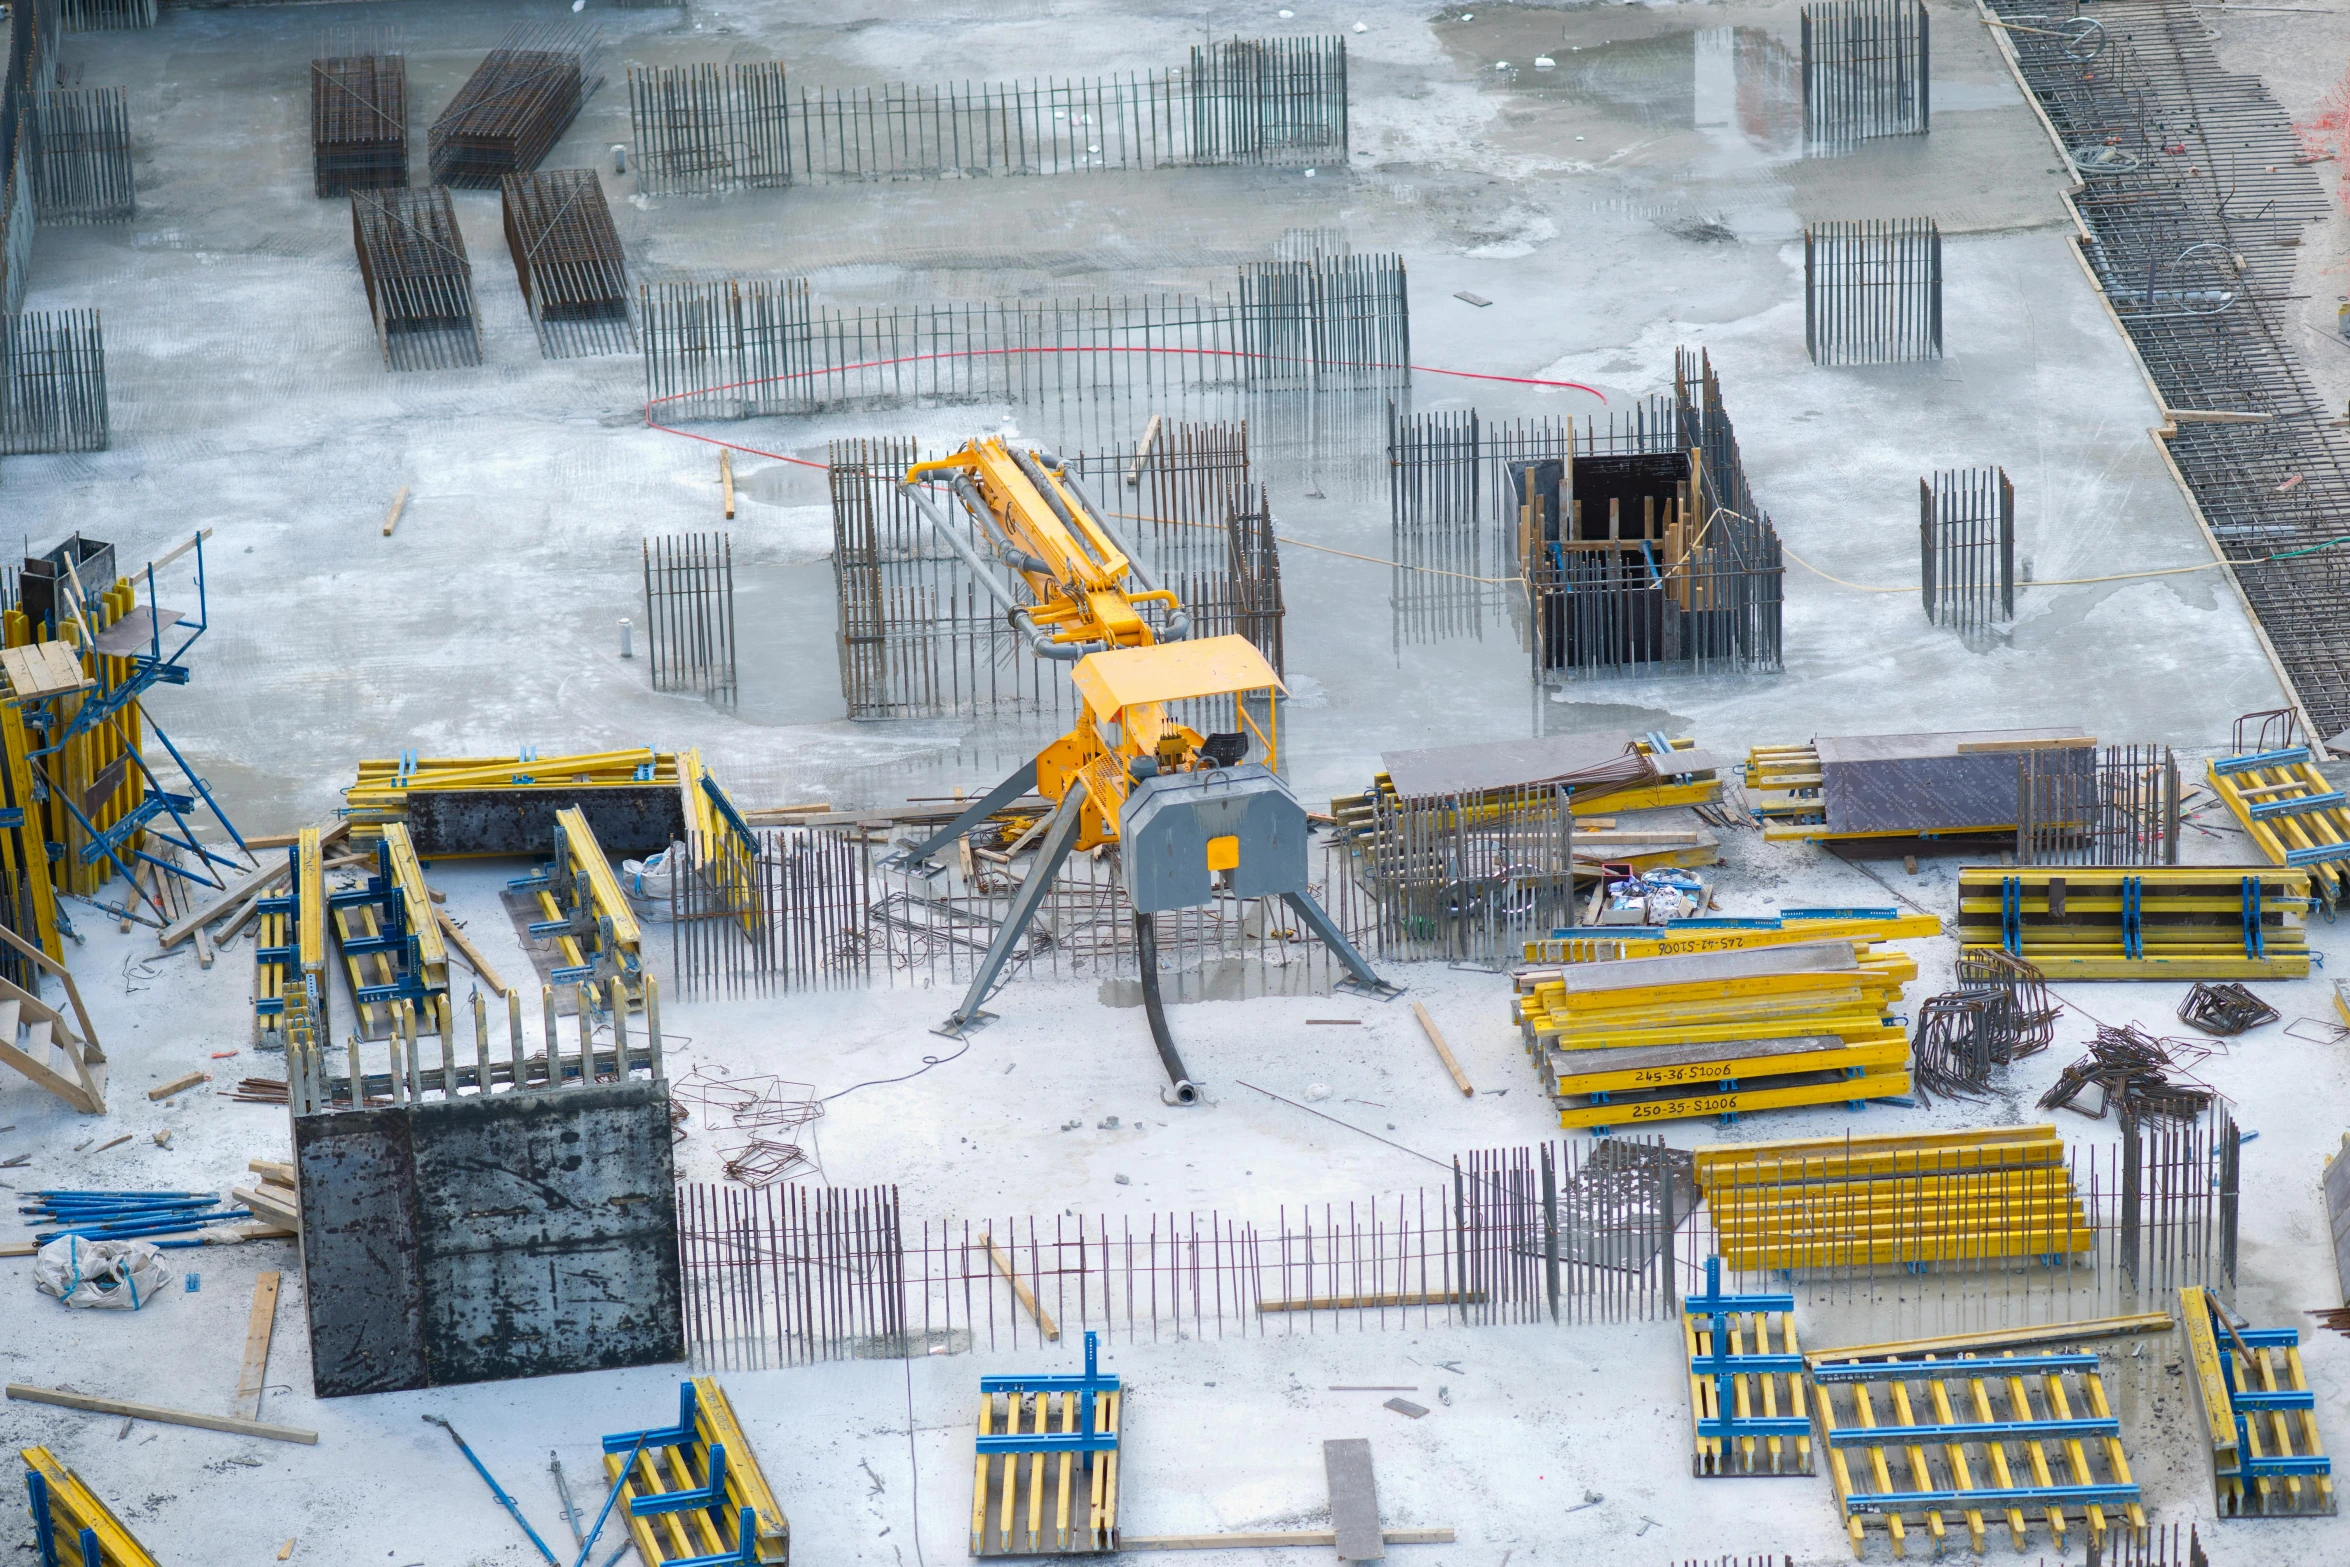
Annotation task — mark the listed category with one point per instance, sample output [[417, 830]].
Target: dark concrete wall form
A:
[[479, 1239]]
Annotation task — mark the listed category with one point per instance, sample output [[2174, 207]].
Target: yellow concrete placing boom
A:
[[1192, 814]]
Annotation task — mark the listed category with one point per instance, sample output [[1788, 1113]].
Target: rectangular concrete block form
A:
[[477, 1240]]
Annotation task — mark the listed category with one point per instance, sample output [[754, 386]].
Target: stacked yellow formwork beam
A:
[[1716, 1033], [588, 914], [1997, 1195], [2140, 921]]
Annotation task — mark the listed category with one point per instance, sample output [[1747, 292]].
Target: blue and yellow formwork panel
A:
[[2138, 922], [1045, 1474], [695, 1495], [71, 1526], [2289, 810], [1746, 1405], [379, 793], [2009, 1439], [588, 915], [390, 941], [2259, 1416], [289, 945]]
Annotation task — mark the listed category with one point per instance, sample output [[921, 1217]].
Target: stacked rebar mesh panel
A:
[[1966, 547], [359, 119], [567, 258], [97, 16], [419, 282], [515, 106], [2197, 194], [703, 128], [79, 155], [52, 383], [1866, 71], [1872, 291]]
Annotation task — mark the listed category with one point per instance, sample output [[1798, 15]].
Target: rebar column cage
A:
[[689, 614], [2077, 805], [1461, 878], [1866, 71], [419, 280], [80, 154], [1966, 547], [94, 16], [53, 383], [358, 115], [1647, 549], [1872, 291], [1269, 100]]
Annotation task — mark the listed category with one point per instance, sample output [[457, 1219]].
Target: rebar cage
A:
[[1866, 71], [1872, 291], [1966, 547]]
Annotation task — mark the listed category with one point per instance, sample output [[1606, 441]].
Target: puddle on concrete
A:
[[1740, 88]]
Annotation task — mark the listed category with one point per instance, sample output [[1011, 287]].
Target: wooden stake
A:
[[726, 479], [1044, 1319], [258, 1333], [1142, 452], [1274, 1539], [1443, 1051], [285, 1550], [392, 519]]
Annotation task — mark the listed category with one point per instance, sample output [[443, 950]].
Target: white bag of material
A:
[[648, 879], [122, 1275]]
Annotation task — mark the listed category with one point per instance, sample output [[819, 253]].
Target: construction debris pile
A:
[[2129, 1069]]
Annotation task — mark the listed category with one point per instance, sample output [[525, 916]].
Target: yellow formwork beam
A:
[[1872, 1143], [2278, 836], [1636, 942], [310, 907], [416, 901]]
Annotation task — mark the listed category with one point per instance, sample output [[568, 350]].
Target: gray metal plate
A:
[[2337, 1189], [359, 1273], [1354, 1499]]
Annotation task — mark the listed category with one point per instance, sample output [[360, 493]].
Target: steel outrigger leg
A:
[[1060, 836], [994, 800], [1319, 921]]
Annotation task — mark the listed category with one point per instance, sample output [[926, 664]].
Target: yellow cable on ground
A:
[[2050, 582]]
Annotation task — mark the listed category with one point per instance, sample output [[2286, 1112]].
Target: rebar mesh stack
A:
[[515, 106], [567, 258], [359, 118], [79, 156], [52, 383], [419, 281]]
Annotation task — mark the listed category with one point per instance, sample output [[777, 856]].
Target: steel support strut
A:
[[1060, 836]]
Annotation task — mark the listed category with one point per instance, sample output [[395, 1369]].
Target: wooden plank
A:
[[2000, 1338], [1443, 1051], [27, 1393], [1044, 1319], [392, 517], [1272, 1539], [178, 1084], [258, 1332]]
